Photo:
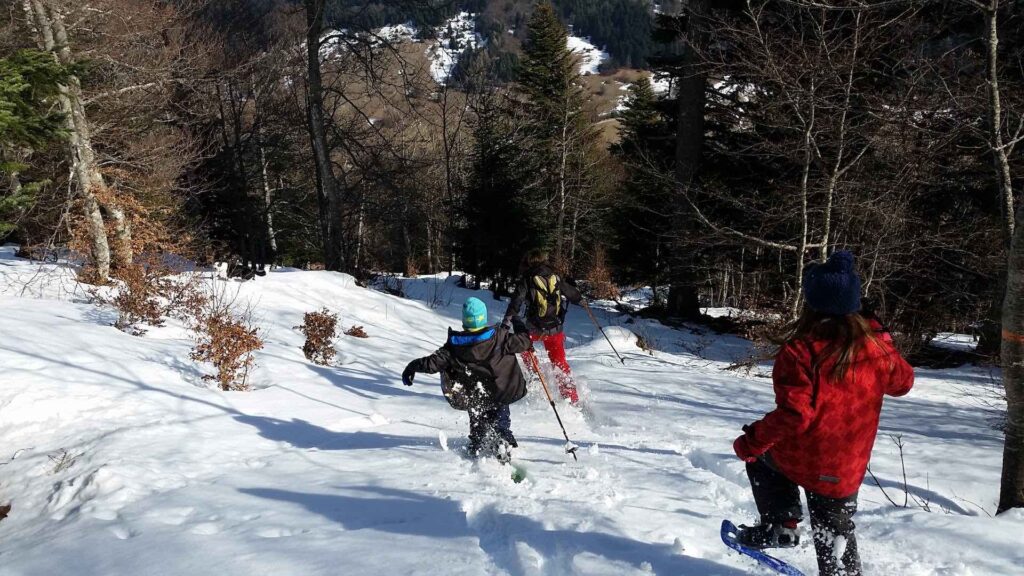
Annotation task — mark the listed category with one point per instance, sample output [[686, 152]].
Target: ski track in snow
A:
[[342, 470]]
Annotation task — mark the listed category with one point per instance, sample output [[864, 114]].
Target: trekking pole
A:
[[569, 446], [598, 324]]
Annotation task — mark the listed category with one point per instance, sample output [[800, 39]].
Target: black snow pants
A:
[[778, 500], [489, 422]]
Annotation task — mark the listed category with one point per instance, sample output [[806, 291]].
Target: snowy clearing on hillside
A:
[[334, 43], [119, 460], [960, 342], [591, 57], [398, 33], [454, 38], [662, 85]]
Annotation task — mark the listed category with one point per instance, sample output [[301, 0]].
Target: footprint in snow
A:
[[171, 516], [206, 529], [272, 532], [123, 532]]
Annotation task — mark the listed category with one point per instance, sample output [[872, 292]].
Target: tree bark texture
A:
[[692, 86], [329, 194], [52, 37]]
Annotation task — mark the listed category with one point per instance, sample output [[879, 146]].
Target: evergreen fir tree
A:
[[560, 132], [497, 228], [29, 82], [642, 224], [547, 72]]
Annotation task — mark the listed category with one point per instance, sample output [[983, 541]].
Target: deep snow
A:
[[342, 470]]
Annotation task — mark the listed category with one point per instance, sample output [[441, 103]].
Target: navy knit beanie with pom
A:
[[833, 288]]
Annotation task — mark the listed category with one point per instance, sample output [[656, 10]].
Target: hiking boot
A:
[[771, 535], [485, 446], [507, 436]]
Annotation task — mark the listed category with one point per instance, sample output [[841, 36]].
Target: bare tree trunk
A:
[[122, 251], [449, 141], [837, 167], [682, 299], [268, 198], [988, 343], [575, 227], [407, 256], [430, 244], [999, 148], [804, 216], [1011, 490], [44, 20], [329, 195], [358, 264], [562, 192]]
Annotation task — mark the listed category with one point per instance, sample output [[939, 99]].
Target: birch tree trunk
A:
[[87, 178], [999, 148], [562, 175], [358, 265], [122, 250], [804, 215], [988, 344], [268, 197]]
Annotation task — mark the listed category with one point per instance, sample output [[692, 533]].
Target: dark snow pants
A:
[[778, 500], [489, 422]]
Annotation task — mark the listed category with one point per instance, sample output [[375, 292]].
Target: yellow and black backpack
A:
[[545, 301]]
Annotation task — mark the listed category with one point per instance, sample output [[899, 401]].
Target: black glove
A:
[[408, 375]]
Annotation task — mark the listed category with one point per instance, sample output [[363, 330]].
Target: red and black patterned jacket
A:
[[821, 433]]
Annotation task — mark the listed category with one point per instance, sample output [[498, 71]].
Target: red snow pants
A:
[[555, 345]]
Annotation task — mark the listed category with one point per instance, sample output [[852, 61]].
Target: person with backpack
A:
[[480, 374], [546, 295], [830, 376]]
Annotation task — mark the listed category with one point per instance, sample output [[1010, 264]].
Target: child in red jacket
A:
[[830, 377]]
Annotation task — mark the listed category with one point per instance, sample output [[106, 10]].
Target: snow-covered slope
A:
[[120, 461], [591, 57], [454, 38]]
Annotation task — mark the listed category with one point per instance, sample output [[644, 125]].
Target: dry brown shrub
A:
[[150, 291], [137, 300], [599, 277], [357, 332], [646, 339], [320, 329], [226, 338]]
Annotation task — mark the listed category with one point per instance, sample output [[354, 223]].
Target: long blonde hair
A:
[[846, 336]]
